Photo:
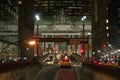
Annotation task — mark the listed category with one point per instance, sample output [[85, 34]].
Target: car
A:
[[65, 62], [97, 62], [112, 63]]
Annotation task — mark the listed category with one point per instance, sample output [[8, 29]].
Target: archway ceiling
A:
[[49, 10]]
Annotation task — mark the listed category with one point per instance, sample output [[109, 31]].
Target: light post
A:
[[88, 47], [37, 23], [37, 31], [83, 25]]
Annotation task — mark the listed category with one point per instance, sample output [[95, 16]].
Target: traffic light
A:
[[104, 46], [82, 51]]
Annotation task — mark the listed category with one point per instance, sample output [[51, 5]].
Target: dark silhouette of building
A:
[[114, 22], [99, 17]]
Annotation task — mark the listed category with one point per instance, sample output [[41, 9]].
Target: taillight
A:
[[69, 61], [61, 61], [99, 63]]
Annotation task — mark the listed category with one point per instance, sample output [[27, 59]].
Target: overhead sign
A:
[[53, 40], [78, 41], [74, 41], [87, 46], [71, 41]]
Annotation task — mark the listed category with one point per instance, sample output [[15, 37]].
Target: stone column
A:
[[25, 28]]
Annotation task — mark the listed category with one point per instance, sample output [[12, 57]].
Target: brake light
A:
[[69, 61], [99, 63], [61, 61]]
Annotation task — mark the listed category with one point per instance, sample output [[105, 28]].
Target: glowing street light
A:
[[33, 42], [83, 21], [37, 17], [83, 24], [83, 18]]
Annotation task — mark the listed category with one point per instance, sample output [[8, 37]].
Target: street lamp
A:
[[37, 32], [33, 42], [37, 23], [88, 46], [83, 21], [83, 25]]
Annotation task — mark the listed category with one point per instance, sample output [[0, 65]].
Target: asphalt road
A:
[[51, 71], [54, 72], [48, 72], [65, 74]]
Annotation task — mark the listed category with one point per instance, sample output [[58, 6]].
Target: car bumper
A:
[[65, 65]]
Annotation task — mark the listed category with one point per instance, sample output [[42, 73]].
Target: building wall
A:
[[99, 32], [25, 27], [114, 22]]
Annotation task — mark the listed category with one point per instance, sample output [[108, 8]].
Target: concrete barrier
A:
[[27, 72], [88, 74]]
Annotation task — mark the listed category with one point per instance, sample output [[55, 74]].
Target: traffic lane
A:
[[65, 74], [48, 72], [51, 71]]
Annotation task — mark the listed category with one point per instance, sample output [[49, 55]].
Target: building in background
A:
[[99, 31], [114, 22], [106, 29]]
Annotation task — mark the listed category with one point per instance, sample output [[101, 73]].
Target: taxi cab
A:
[[112, 63], [65, 62]]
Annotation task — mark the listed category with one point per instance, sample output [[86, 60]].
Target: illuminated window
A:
[[107, 27], [107, 21], [19, 2], [45, 4], [107, 34]]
